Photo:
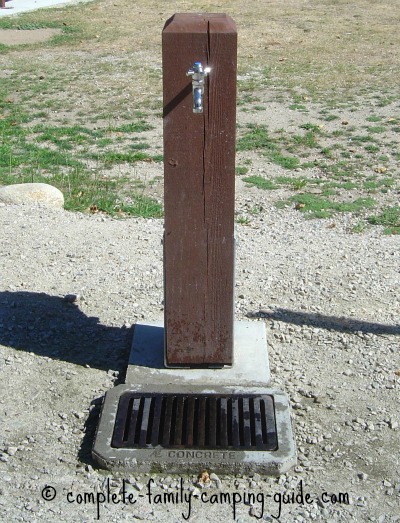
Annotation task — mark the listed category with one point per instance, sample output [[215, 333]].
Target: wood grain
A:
[[199, 172]]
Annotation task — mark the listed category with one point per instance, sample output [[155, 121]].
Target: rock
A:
[[195, 492], [131, 491], [216, 480], [72, 298], [31, 192]]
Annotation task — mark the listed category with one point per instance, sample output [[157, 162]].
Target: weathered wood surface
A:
[[199, 176]]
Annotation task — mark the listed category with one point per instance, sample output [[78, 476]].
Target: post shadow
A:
[[50, 326], [322, 321]]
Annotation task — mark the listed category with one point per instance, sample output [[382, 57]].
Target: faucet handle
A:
[[198, 72]]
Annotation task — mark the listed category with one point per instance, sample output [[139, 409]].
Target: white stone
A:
[[31, 192]]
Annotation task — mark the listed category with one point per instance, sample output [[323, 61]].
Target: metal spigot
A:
[[198, 74]]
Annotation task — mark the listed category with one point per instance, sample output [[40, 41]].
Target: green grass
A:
[[389, 218], [374, 118], [142, 206], [243, 220], [240, 170], [257, 138], [297, 107], [359, 227], [311, 127], [362, 138], [133, 127], [260, 182], [372, 148], [112, 157], [317, 207], [330, 117], [287, 162], [377, 129], [295, 183], [73, 125], [306, 140], [69, 34], [58, 155]]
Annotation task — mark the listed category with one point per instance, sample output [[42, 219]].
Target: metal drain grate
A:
[[206, 421]]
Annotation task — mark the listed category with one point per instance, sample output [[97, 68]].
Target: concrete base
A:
[[146, 373], [250, 367], [189, 461]]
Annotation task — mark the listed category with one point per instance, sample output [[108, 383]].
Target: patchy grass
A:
[[316, 207], [88, 104], [257, 138], [295, 183], [359, 227], [59, 155], [240, 170], [243, 220], [260, 182], [389, 218], [347, 166]]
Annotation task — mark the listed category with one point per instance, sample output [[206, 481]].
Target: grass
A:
[[317, 207], [243, 220], [59, 155], [350, 167], [240, 170], [256, 139], [87, 104], [260, 182], [389, 218], [70, 34], [259, 139]]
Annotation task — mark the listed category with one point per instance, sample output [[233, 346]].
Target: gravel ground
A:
[[330, 300]]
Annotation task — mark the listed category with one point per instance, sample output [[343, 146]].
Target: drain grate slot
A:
[[198, 421]]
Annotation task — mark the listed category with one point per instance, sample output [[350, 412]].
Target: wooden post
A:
[[199, 177]]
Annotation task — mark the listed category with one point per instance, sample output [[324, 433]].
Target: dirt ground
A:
[[27, 36]]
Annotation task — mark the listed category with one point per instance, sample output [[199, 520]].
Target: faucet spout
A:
[[198, 99], [198, 74]]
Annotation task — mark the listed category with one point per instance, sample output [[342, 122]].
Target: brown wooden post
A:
[[199, 177]]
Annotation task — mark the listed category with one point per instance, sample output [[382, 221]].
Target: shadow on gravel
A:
[[326, 322], [91, 423], [50, 326]]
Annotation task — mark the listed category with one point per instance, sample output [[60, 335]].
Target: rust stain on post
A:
[[199, 172]]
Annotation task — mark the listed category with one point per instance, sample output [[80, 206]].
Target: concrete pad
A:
[[190, 461], [250, 367], [147, 373], [14, 7]]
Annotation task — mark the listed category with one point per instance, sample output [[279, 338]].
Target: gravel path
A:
[[72, 285]]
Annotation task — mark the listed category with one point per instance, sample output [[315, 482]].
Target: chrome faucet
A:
[[198, 74]]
